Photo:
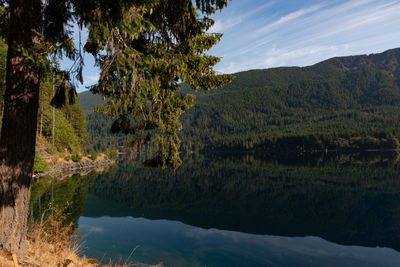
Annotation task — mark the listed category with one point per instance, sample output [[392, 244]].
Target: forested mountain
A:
[[98, 124], [341, 103]]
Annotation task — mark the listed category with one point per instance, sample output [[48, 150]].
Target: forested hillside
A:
[[69, 120], [99, 125], [341, 103], [347, 102]]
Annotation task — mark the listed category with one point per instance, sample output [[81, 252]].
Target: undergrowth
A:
[[39, 165]]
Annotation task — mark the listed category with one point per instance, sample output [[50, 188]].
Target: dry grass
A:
[[52, 243], [41, 254], [6, 259]]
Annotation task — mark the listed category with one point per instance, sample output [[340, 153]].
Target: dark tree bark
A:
[[18, 132]]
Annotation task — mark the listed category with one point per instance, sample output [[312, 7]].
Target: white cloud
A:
[[351, 24], [297, 14], [92, 78], [95, 229], [304, 250], [275, 57], [287, 18], [223, 25]]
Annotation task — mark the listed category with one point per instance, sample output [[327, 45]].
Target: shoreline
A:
[[70, 167]]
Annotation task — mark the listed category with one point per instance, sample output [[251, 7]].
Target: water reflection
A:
[[312, 210], [347, 203], [67, 195], [176, 244]]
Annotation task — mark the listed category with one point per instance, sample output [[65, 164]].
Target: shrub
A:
[[76, 157], [111, 153], [52, 242], [93, 155], [39, 165]]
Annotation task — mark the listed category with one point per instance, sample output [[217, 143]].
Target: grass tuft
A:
[[53, 243]]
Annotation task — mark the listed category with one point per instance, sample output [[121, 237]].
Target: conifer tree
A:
[[144, 48]]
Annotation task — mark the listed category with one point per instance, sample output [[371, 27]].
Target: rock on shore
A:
[[70, 167]]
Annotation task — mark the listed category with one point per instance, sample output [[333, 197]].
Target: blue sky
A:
[[264, 34], [270, 33]]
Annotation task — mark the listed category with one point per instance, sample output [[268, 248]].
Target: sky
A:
[[262, 34]]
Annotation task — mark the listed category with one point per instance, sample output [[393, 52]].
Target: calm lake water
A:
[[314, 210]]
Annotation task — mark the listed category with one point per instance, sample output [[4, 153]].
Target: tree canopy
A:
[[144, 56], [144, 49]]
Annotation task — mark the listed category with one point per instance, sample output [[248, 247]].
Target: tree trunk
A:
[[18, 133]]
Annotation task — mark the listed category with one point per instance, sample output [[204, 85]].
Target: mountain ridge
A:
[[347, 102]]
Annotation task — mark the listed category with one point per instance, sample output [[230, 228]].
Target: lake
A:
[[308, 210]]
